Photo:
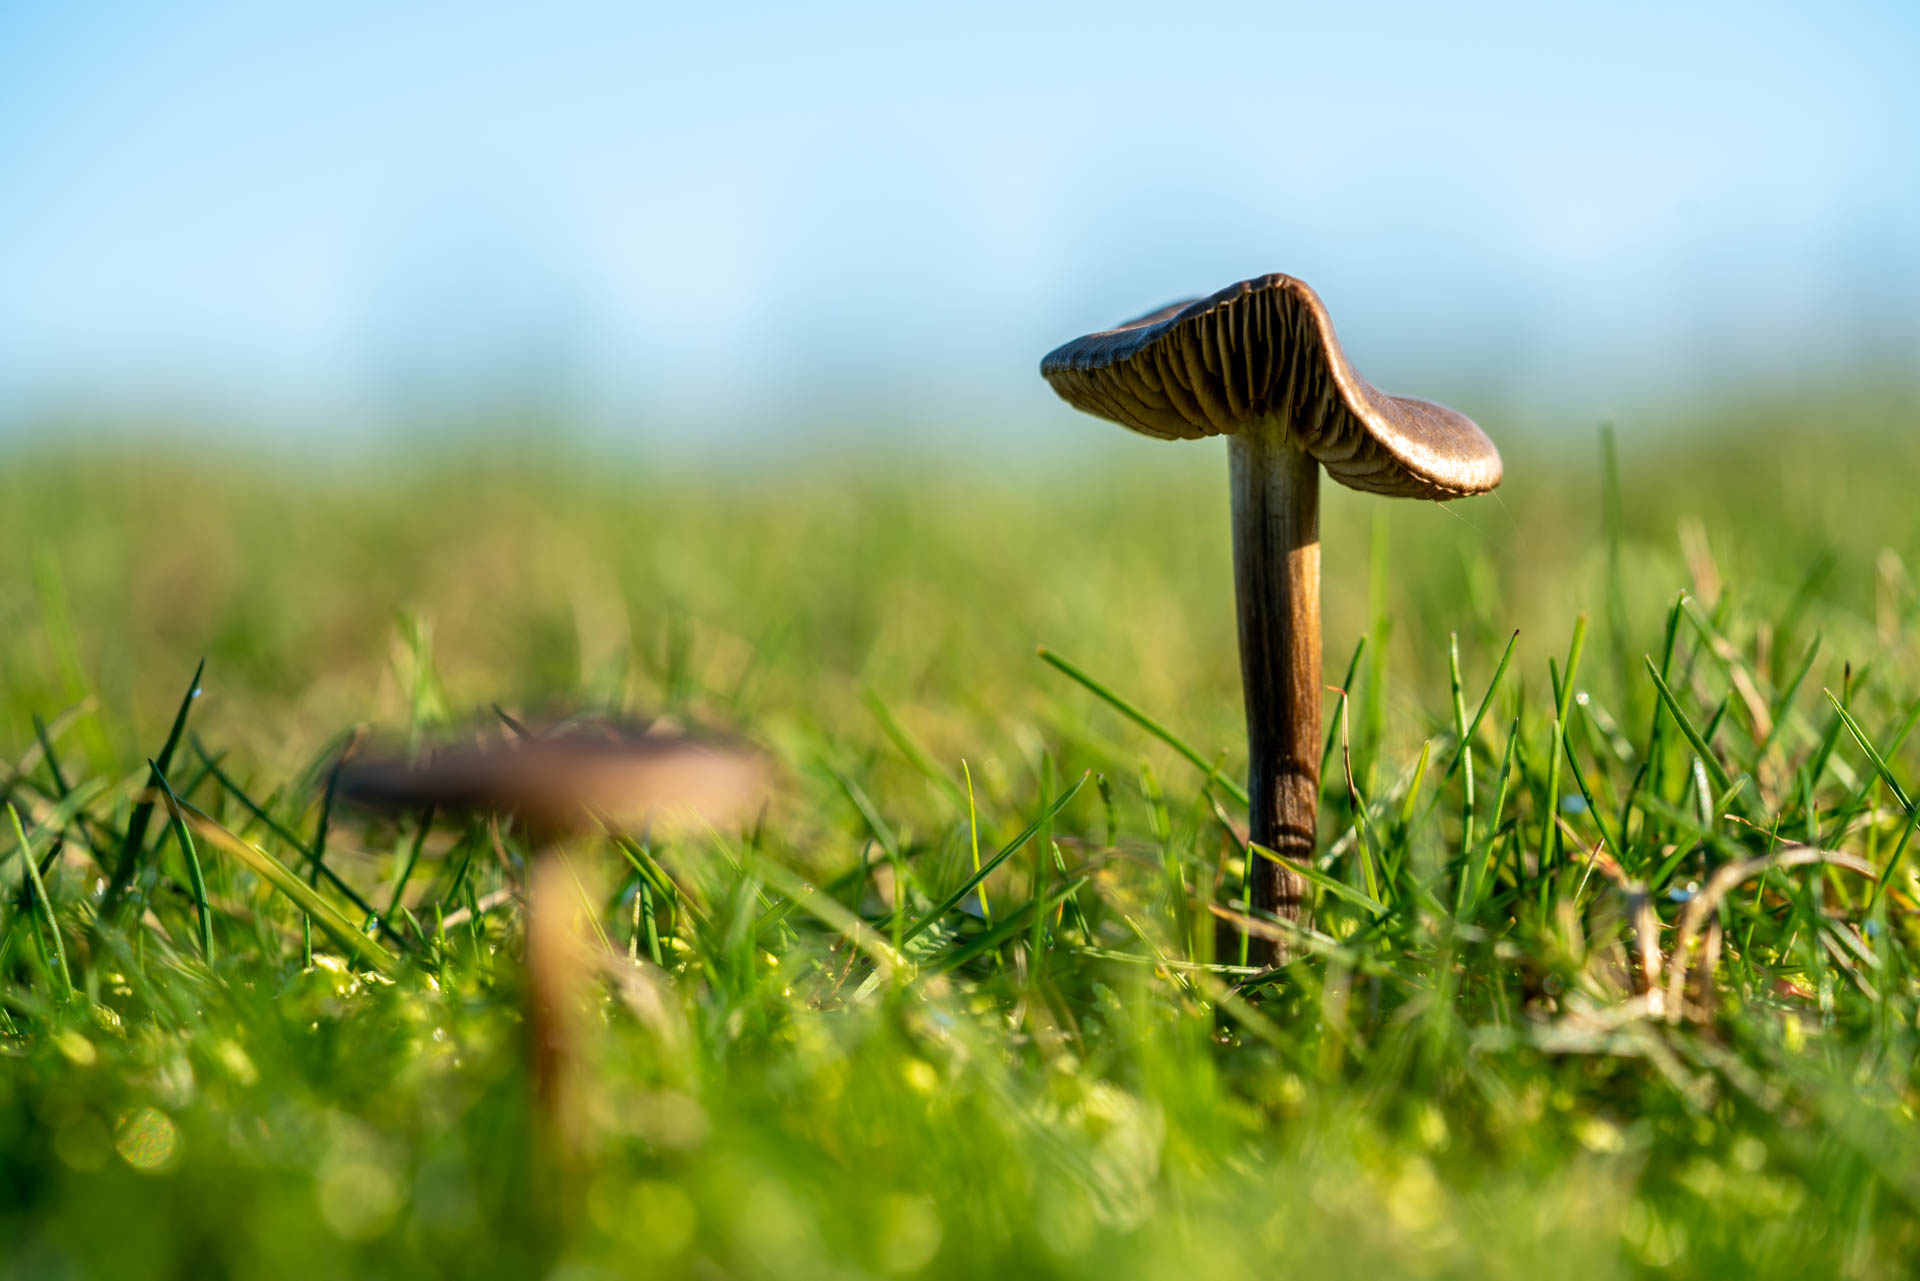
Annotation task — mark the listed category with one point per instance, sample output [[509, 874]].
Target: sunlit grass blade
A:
[[192, 856], [1874, 757], [1040, 876], [44, 903], [1652, 759], [279, 829], [1332, 885], [1373, 697], [1885, 772], [1009, 927], [973, 841], [1412, 799], [1608, 839], [1140, 718], [1005, 852], [1708, 761], [1343, 698], [910, 748], [1613, 523], [282, 878], [1563, 706], [1465, 729], [1784, 698], [1477, 879], [827, 910]]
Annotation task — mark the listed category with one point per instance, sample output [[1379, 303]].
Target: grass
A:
[[1612, 968]]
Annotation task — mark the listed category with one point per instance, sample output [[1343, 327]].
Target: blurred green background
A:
[[538, 570]]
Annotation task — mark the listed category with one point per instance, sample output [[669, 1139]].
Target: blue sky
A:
[[728, 215]]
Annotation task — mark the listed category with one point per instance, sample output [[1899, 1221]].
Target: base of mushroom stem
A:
[[1265, 948]]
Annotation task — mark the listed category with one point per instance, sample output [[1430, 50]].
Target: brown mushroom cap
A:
[[1264, 349], [630, 776]]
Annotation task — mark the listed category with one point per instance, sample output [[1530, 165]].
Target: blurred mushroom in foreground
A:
[[559, 783], [576, 775], [1258, 362]]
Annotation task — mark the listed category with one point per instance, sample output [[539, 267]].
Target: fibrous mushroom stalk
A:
[[1276, 571]]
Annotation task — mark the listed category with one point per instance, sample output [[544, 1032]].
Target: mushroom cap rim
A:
[[1436, 452]]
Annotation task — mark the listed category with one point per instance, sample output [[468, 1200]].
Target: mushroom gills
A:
[[1264, 351]]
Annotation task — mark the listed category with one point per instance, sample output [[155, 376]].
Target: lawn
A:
[[1612, 966]]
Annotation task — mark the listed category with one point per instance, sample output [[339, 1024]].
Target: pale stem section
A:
[[1276, 573], [559, 960]]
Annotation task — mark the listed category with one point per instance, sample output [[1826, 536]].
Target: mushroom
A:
[[564, 780], [559, 784], [1258, 363]]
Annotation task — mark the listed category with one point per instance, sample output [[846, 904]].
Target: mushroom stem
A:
[[554, 963], [1276, 572]]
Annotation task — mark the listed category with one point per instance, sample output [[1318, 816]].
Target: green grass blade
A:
[[1473, 891], [1607, 838], [47, 754], [1412, 799], [199, 882], [1344, 694], [1708, 760], [405, 873], [1563, 707], [1885, 773], [1373, 701], [282, 878], [1493, 686], [128, 861], [910, 748], [279, 829], [1878, 761], [1005, 852], [45, 904], [1457, 700], [1783, 700], [1331, 884], [1041, 874], [1011, 926], [1140, 718], [1613, 522], [973, 838]]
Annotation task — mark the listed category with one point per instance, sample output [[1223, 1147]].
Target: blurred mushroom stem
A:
[[1276, 573], [564, 784], [557, 963]]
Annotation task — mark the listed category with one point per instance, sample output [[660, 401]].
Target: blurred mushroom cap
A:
[[631, 776], [1264, 350]]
